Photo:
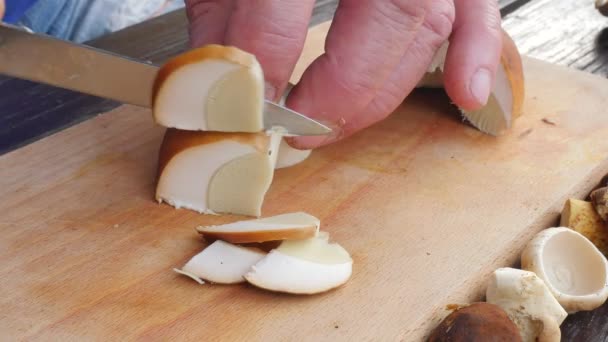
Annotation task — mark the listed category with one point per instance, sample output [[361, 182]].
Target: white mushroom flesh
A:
[[528, 302], [571, 266], [222, 263]]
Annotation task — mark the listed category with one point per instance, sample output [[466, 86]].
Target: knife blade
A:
[[45, 59]]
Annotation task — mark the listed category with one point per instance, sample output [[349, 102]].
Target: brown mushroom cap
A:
[[476, 322]]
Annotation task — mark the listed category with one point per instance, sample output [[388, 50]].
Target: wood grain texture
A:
[[30, 111], [569, 33], [427, 211]]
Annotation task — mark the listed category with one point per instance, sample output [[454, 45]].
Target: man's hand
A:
[[375, 53], [1, 9]]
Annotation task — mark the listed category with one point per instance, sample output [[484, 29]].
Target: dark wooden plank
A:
[[30, 111], [570, 33]]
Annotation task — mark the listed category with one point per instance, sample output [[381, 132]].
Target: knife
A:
[[81, 68]]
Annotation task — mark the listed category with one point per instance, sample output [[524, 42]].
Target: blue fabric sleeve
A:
[[15, 10]]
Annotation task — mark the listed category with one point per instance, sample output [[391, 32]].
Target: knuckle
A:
[[440, 19]]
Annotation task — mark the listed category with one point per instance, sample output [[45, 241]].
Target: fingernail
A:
[[480, 85]]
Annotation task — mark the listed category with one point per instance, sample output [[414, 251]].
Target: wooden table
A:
[[564, 32]]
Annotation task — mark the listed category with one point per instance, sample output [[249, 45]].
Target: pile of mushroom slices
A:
[[216, 156], [285, 253]]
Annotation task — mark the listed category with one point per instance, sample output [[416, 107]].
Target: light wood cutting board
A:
[[427, 206]]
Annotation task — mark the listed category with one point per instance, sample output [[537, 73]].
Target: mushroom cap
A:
[[476, 322], [573, 269], [211, 88], [506, 99], [298, 225], [222, 263]]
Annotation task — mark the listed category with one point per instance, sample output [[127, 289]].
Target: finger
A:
[[365, 42], [432, 32], [274, 31], [474, 53], [208, 20], [1, 9]]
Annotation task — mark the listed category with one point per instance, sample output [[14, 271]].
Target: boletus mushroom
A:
[[292, 226], [476, 322], [573, 269], [307, 266], [602, 6], [528, 302], [211, 88], [221, 263], [214, 172], [506, 99], [582, 217]]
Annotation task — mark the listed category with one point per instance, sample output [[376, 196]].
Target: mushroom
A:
[[602, 6], [599, 198], [212, 172], [281, 227], [476, 322], [580, 216], [307, 266], [221, 263], [573, 269], [528, 302], [212, 88], [506, 99]]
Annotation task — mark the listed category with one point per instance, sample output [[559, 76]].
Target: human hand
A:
[[375, 53], [1, 9]]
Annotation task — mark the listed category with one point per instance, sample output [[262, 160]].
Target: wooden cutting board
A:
[[427, 206]]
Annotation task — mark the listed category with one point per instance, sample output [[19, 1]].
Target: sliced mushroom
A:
[[573, 269], [580, 216], [302, 267], [506, 99], [212, 172], [528, 302], [212, 88], [281, 227], [221, 263]]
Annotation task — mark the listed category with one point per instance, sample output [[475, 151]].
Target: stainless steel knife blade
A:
[[92, 71]]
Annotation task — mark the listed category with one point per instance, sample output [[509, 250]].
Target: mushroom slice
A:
[[289, 156], [212, 88], [302, 267], [211, 172], [573, 269], [528, 302], [222, 263], [281, 227], [507, 95], [580, 216]]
